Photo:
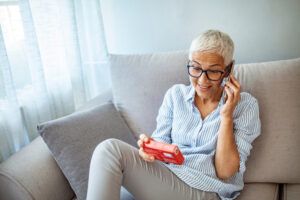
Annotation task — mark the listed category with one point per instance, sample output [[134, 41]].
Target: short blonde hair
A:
[[214, 41]]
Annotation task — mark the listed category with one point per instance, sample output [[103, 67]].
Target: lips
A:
[[203, 88]]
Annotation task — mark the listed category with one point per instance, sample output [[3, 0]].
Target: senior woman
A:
[[210, 120]]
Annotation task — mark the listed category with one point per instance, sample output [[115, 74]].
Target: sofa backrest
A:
[[139, 83]]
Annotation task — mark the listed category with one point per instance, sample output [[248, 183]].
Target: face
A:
[[207, 89]]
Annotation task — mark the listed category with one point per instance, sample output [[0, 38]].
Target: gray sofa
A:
[[139, 84]]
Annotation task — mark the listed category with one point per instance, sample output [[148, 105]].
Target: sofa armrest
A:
[[32, 173]]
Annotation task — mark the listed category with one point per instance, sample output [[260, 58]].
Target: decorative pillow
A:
[[73, 138]]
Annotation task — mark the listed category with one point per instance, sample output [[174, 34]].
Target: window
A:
[[13, 37]]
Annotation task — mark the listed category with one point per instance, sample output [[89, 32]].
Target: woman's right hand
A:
[[145, 156]]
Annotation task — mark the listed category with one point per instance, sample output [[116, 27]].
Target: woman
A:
[[210, 120]]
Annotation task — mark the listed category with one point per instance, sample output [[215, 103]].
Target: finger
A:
[[233, 87], [229, 94], [149, 157], [234, 91], [145, 156], [140, 143], [142, 136], [141, 153], [146, 139], [237, 91], [152, 159], [235, 82]]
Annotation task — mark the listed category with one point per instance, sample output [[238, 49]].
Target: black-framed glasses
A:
[[213, 75]]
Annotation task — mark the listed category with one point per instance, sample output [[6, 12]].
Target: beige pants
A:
[[115, 163]]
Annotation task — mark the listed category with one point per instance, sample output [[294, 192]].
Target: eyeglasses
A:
[[213, 75]]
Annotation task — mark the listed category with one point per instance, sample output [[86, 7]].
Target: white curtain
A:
[[53, 58]]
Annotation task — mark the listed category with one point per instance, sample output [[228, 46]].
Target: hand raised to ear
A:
[[232, 89]]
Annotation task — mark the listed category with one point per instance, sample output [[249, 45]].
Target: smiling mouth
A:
[[204, 88]]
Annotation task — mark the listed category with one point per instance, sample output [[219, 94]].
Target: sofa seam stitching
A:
[[15, 181]]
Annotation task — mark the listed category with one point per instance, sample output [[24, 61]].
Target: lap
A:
[[151, 180]]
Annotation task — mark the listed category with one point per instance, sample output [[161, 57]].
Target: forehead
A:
[[207, 58]]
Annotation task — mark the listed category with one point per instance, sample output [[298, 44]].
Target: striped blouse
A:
[[179, 122]]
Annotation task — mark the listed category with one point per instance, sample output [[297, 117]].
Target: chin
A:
[[202, 95]]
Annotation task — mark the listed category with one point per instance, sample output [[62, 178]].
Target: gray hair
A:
[[214, 41]]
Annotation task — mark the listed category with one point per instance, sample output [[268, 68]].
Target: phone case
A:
[[168, 153], [223, 85]]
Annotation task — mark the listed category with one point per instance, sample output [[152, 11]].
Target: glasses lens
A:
[[195, 71], [214, 75]]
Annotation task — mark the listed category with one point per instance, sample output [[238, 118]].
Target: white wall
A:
[[262, 30]]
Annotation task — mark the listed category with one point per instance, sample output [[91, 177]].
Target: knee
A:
[[108, 146]]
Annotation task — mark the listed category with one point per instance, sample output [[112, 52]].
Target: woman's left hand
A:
[[232, 89]]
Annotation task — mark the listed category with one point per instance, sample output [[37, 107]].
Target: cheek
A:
[[216, 86], [193, 81]]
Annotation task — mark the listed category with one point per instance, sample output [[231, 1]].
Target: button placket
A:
[[197, 128]]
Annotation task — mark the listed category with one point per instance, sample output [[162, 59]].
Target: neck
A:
[[214, 99]]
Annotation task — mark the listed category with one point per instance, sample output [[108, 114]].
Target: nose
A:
[[203, 78]]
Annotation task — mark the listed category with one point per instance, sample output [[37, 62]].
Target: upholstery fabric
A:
[[139, 97], [264, 191], [72, 140], [32, 174], [276, 85], [291, 192]]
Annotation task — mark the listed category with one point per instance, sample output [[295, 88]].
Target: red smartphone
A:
[[168, 153]]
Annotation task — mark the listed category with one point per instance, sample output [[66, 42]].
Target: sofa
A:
[[139, 83]]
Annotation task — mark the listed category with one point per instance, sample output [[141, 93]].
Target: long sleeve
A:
[[164, 119], [178, 123], [247, 127]]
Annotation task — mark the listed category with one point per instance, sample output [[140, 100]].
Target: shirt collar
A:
[[191, 95]]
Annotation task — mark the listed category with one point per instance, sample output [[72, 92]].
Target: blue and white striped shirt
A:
[[179, 122]]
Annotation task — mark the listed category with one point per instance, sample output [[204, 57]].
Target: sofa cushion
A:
[[32, 173], [252, 191], [73, 138], [265, 191], [291, 192], [276, 86], [139, 83], [124, 195]]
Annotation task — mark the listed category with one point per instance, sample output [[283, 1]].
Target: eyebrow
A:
[[213, 65]]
